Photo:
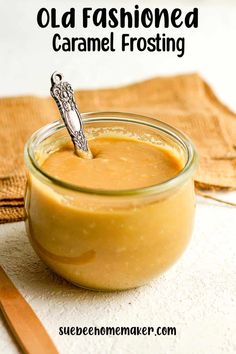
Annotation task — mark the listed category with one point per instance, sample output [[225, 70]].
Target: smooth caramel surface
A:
[[110, 242], [118, 164]]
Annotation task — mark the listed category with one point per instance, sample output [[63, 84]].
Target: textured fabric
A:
[[184, 101]]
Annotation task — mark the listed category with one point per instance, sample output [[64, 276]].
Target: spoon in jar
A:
[[63, 95]]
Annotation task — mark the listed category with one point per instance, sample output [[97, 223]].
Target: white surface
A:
[[198, 294]]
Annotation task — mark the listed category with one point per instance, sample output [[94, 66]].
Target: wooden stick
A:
[[23, 322]]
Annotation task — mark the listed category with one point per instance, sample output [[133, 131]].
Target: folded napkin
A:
[[184, 101]]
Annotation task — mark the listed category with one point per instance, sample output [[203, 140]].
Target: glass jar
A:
[[104, 239]]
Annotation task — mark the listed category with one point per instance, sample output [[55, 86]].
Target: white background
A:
[[198, 294], [27, 57]]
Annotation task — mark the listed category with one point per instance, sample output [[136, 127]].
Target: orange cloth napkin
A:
[[184, 101]]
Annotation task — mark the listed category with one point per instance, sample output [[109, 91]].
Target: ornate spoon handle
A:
[[63, 94]]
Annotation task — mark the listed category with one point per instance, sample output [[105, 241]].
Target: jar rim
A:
[[112, 116]]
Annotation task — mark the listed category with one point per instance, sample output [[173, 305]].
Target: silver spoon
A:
[[63, 94]]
